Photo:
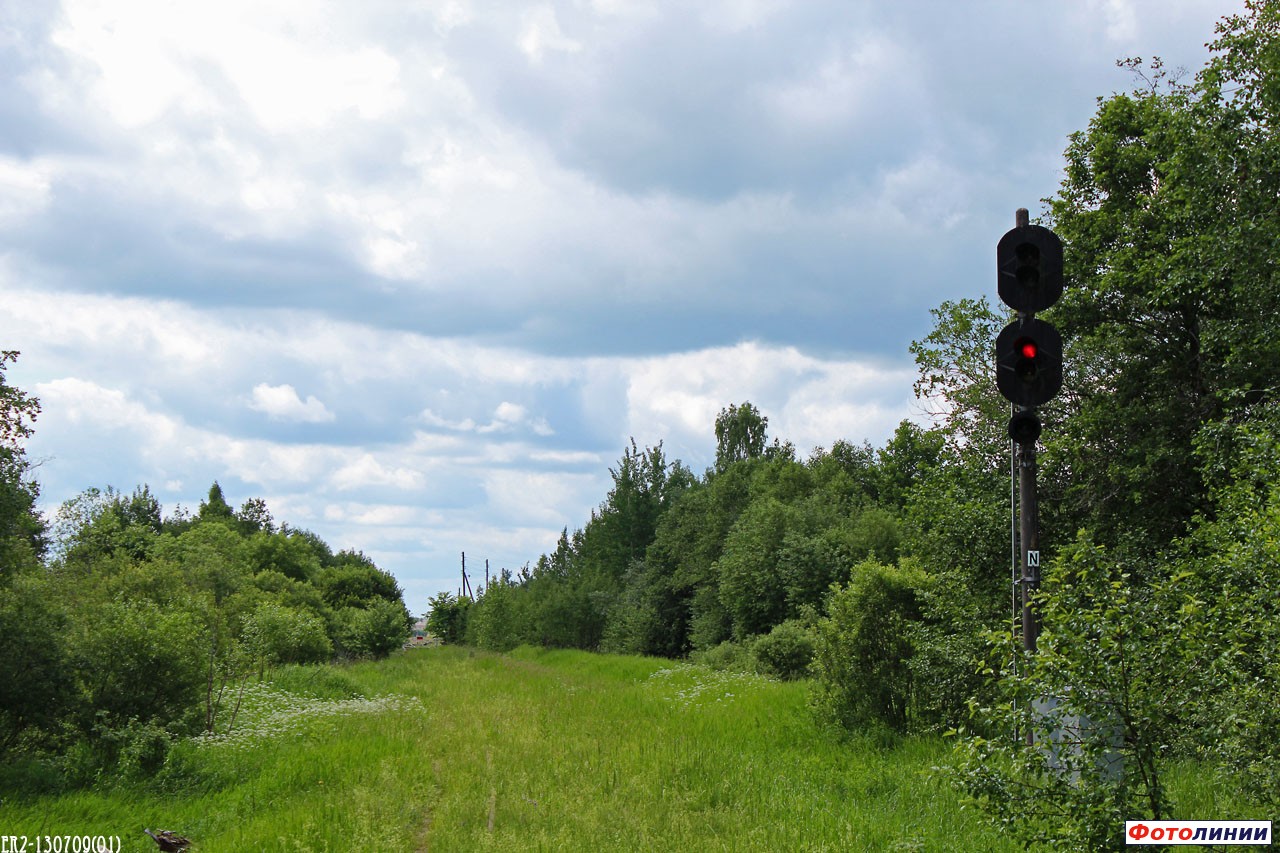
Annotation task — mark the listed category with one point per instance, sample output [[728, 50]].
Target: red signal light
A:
[[1029, 362]]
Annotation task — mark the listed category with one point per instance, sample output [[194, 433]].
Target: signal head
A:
[[1024, 427], [1029, 362], [1029, 268]]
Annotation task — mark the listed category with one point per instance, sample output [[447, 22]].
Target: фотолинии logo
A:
[[1197, 832]]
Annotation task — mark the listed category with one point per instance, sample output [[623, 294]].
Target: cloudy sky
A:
[[414, 271]]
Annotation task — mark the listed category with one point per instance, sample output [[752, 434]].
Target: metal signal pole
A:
[[1029, 536], [1028, 374], [1028, 517]]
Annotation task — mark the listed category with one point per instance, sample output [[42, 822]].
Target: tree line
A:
[[884, 573]]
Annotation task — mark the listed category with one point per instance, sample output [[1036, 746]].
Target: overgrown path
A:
[[561, 751]]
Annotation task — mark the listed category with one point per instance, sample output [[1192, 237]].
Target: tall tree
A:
[[1168, 214], [740, 434], [22, 531], [215, 506]]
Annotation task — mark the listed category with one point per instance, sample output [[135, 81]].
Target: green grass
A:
[[537, 750]]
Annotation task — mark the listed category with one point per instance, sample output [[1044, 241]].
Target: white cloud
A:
[[488, 474], [283, 60], [432, 419], [382, 515], [536, 498], [510, 413], [737, 15], [24, 189], [542, 33], [507, 417], [365, 471], [838, 88], [282, 402], [1120, 16]]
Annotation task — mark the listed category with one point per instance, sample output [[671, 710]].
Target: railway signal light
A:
[[1029, 268], [1024, 427], [1029, 351], [1029, 362]]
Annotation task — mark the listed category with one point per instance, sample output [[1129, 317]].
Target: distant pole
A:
[[466, 584], [486, 573]]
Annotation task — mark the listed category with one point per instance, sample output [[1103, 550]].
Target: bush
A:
[[139, 662], [447, 619], [725, 656], [141, 750], [276, 634], [116, 753], [785, 652], [490, 619], [863, 649], [35, 672], [1108, 658], [375, 631]]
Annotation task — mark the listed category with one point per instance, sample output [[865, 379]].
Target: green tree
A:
[[212, 558], [356, 581], [98, 524], [447, 617], [215, 507], [138, 661], [36, 677], [1217, 597], [254, 517], [1155, 628], [290, 555], [740, 434], [956, 384], [1167, 211], [374, 631], [22, 530], [490, 621], [907, 459], [1098, 698], [752, 589]]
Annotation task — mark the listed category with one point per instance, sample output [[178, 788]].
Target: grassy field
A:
[[537, 750]]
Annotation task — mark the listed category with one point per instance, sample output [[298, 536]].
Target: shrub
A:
[[447, 619], [276, 634], [863, 649], [725, 656], [1109, 665], [786, 651], [375, 631], [137, 661]]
